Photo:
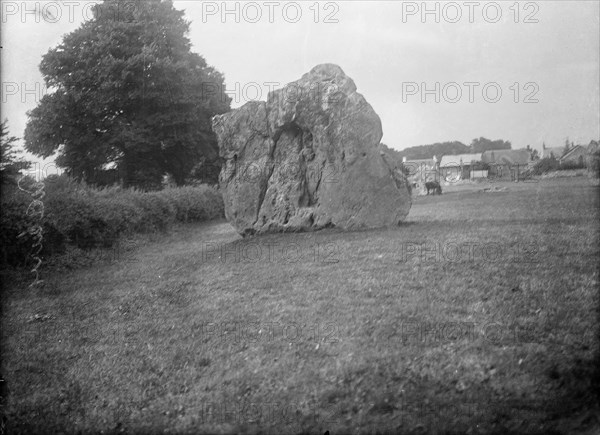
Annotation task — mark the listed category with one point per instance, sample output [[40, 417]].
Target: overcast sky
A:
[[549, 51]]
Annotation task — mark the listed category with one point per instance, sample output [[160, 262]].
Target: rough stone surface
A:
[[308, 158]]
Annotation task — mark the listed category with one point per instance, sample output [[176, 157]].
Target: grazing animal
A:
[[434, 187]]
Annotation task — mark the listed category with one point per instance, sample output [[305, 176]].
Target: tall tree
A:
[[11, 163], [128, 91], [483, 144]]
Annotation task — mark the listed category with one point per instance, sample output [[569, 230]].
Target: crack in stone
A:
[[265, 186]]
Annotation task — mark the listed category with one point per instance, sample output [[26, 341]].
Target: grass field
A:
[[478, 315]]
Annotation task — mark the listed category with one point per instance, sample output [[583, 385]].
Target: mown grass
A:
[[478, 315]]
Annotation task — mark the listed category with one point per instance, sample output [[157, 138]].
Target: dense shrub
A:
[[194, 204], [158, 213], [14, 221], [83, 217], [594, 164], [569, 165], [550, 164], [58, 184], [75, 216], [545, 165]]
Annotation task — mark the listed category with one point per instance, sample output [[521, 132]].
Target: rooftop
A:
[[457, 160], [512, 157]]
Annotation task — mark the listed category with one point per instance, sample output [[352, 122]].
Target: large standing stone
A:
[[308, 158]]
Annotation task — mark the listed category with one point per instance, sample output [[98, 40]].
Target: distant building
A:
[[506, 164], [420, 171], [413, 167], [575, 155], [458, 167], [552, 152]]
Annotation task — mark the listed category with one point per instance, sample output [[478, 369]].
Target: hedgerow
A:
[[82, 217]]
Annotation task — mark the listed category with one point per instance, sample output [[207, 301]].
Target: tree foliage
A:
[[437, 149], [11, 163], [533, 153], [482, 144], [128, 93]]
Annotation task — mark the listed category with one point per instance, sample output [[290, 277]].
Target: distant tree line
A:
[[439, 149]]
